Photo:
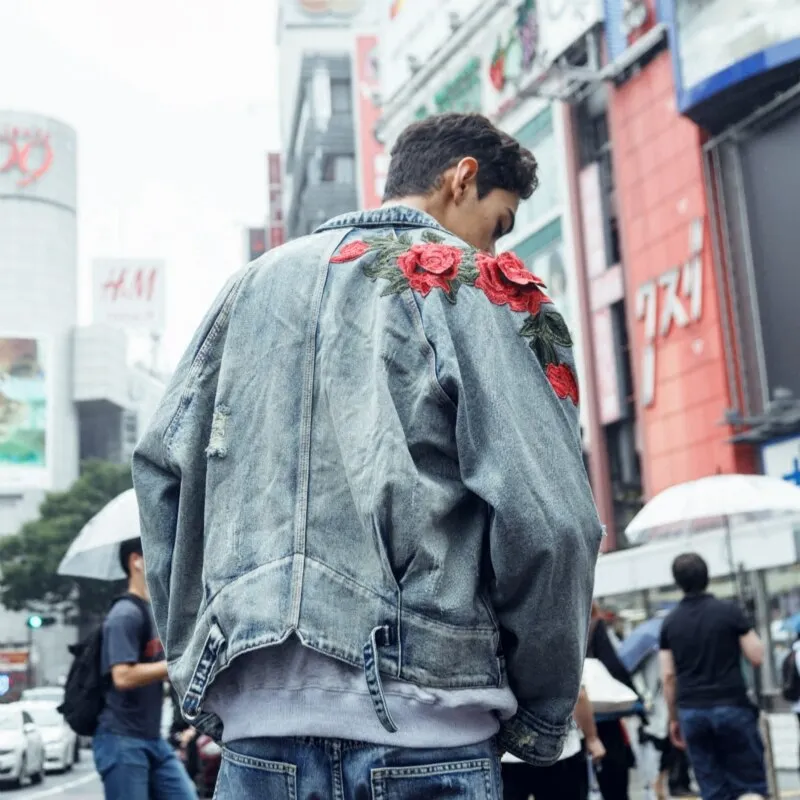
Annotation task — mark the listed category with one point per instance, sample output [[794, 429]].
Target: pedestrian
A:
[[613, 775], [133, 760], [568, 778], [703, 641], [364, 508]]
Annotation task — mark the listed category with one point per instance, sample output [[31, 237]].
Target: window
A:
[[339, 169], [341, 99], [538, 136]]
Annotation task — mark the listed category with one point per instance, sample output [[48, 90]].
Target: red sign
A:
[[371, 159], [276, 230], [27, 152]]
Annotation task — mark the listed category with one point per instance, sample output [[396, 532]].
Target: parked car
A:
[[60, 741], [21, 747], [44, 694]]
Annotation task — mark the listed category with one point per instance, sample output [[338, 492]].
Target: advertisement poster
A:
[[23, 413], [371, 159]]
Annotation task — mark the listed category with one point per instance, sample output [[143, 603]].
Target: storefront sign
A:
[[675, 298], [719, 44], [781, 459], [26, 153], [24, 414], [276, 229], [130, 294]]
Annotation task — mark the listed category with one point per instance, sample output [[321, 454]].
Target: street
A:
[[81, 783]]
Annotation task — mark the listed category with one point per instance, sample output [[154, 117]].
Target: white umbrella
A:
[[95, 551], [717, 497]]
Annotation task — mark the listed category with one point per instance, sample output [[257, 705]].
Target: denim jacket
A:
[[372, 444]]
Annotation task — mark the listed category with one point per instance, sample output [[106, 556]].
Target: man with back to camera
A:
[[702, 644], [132, 758], [363, 502]]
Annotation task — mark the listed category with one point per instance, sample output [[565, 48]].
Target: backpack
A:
[[790, 688], [86, 686]]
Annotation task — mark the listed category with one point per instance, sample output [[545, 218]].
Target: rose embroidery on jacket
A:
[[504, 280]]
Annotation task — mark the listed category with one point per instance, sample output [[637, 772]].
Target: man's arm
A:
[[122, 647], [670, 683], [584, 718], [165, 472], [134, 676], [753, 648], [519, 450]]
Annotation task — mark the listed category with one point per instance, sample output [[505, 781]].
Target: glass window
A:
[[539, 137], [339, 169], [341, 99]]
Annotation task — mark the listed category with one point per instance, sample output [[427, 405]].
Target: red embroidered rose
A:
[[430, 266], [505, 281], [350, 252], [563, 381]]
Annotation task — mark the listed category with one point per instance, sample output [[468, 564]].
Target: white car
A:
[[21, 746], [44, 694], [60, 741]]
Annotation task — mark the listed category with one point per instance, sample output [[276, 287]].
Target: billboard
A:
[[130, 294], [721, 44], [372, 166], [563, 22], [24, 412], [412, 32]]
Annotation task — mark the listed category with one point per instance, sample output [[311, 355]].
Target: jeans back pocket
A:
[[243, 777], [465, 780]]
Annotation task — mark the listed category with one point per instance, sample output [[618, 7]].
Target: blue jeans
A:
[[289, 769], [726, 750], [140, 769]]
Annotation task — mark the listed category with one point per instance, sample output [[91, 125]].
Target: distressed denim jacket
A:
[[372, 444]]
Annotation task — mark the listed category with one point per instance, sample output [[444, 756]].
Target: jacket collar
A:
[[385, 217]]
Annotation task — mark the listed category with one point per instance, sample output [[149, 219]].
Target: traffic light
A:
[[36, 621]]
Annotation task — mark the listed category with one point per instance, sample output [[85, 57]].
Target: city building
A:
[[66, 392], [704, 126], [332, 162], [535, 69]]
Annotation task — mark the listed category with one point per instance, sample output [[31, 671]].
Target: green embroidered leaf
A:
[[544, 351], [405, 240], [432, 238], [558, 328], [452, 291], [467, 273]]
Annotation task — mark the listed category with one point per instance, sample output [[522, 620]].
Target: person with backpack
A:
[[133, 759]]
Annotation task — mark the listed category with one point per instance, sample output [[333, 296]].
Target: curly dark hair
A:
[[426, 149]]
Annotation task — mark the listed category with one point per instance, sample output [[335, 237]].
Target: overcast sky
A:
[[175, 105]]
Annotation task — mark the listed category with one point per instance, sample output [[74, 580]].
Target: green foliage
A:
[[29, 560]]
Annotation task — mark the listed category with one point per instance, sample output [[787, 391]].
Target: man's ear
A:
[[464, 175]]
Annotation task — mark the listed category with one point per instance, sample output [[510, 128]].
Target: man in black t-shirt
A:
[[131, 756], [703, 642]]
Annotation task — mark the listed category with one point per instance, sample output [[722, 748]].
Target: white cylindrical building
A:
[[38, 312]]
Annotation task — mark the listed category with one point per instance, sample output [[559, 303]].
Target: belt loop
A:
[[373, 675]]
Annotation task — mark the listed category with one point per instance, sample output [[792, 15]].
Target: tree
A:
[[29, 560]]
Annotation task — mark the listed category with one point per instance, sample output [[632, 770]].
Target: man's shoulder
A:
[[125, 612]]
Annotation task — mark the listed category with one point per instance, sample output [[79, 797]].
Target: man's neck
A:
[[420, 202], [138, 587]]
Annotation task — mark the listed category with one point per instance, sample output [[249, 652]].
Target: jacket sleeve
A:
[[169, 478], [519, 449]]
